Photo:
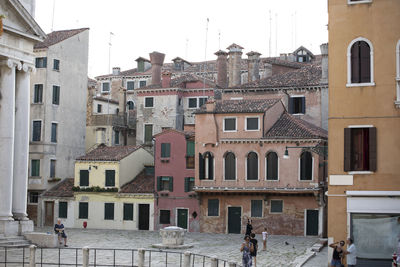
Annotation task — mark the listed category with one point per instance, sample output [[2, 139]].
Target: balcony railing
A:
[[112, 120]]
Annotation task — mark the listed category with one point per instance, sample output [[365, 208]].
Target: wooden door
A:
[[182, 218], [49, 213], [234, 217], [144, 213], [312, 222]]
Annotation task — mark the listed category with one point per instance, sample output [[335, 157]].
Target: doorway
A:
[[234, 220], [312, 217], [48, 213], [144, 220], [182, 218]]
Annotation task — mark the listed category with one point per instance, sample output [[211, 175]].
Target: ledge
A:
[[360, 172], [359, 84]]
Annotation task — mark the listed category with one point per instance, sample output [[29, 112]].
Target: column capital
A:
[[11, 63], [28, 67]]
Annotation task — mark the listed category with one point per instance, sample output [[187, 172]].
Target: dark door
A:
[[48, 213], [144, 212], [182, 218], [312, 222], [234, 224]]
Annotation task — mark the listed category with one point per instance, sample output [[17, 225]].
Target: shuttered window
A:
[[252, 166], [165, 150], [213, 207], [41, 62], [62, 209], [52, 168], [83, 210], [297, 105], [38, 93], [230, 166], [360, 62], [130, 85], [256, 208], [272, 166], [306, 166], [165, 216], [360, 149], [36, 131], [128, 212], [148, 133], [190, 155], [56, 95], [84, 177], [165, 183], [110, 177], [108, 211], [201, 167], [276, 206], [189, 184], [54, 132], [56, 64], [35, 167]]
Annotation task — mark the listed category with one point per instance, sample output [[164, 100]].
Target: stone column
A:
[[21, 143]]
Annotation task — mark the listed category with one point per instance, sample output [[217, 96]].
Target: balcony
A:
[[113, 120]]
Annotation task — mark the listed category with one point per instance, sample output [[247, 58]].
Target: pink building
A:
[[176, 202], [256, 161]]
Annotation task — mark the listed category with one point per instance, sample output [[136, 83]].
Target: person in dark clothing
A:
[[255, 248], [249, 227], [337, 253], [59, 229]]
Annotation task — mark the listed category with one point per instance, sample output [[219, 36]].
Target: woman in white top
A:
[[351, 253], [264, 237]]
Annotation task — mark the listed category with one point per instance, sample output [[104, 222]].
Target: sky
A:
[[193, 30]]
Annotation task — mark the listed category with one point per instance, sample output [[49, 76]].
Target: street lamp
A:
[[315, 149]]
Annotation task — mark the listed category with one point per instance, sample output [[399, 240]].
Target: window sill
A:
[[270, 180], [359, 84], [252, 180], [306, 181], [230, 131], [148, 107], [35, 177], [33, 103], [359, 172], [256, 130], [359, 2], [297, 114], [208, 180], [105, 93]]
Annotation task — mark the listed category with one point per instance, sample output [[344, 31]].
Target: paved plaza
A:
[[281, 250]]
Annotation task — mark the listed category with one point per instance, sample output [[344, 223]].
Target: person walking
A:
[[264, 237], [59, 229], [337, 253], [249, 227], [351, 253], [246, 248], [254, 241]]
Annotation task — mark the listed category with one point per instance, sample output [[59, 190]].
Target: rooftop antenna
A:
[[52, 19], [109, 53], [186, 51], [205, 57], [110, 89], [270, 32], [295, 30], [292, 19], [219, 39], [276, 34]]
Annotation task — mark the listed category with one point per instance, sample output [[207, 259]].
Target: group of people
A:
[[250, 245], [339, 253]]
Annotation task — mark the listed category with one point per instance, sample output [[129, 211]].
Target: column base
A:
[[9, 228], [25, 227], [20, 216]]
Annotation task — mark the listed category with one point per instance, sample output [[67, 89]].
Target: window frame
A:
[[80, 178], [169, 216], [116, 137], [270, 205], [109, 204], [160, 184], [203, 158], [208, 207], [130, 82], [291, 102], [190, 159], [202, 97], [262, 208], [54, 123], [144, 133], [101, 108], [188, 181], [80, 216], [129, 105], [51, 167], [33, 132], [141, 83], [123, 212], [39, 87], [230, 131], [371, 47], [55, 98], [195, 98], [31, 170], [167, 148], [258, 124], [105, 178], [54, 64], [33, 194], [224, 172], [145, 102], [397, 102], [266, 166], [312, 167], [44, 62], [258, 167], [59, 209], [102, 87]]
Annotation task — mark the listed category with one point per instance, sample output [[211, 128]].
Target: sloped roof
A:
[[91, 83], [305, 49], [240, 106], [185, 133], [290, 127], [179, 81], [142, 183], [62, 189], [58, 36], [109, 153]]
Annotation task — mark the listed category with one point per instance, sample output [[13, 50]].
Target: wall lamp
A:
[[320, 150], [90, 167]]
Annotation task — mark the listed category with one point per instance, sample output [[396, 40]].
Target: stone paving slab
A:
[[281, 250]]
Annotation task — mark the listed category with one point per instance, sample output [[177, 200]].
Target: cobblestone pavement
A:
[[281, 250], [319, 260]]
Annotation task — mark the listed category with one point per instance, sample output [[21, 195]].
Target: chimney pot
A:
[[166, 79], [222, 66], [116, 70], [157, 60], [324, 63], [234, 61], [253, 70]]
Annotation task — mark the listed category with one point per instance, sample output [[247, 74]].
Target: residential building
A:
[[176, 202], [364, 121], [18, 35], [242, 170], [57, 111]]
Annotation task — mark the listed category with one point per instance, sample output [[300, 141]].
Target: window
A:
[[36, 131], [56, 64], [306, 166], [206, 166], [252, 124], [54, 132], [202, 100], [38, 93], [276, 206], [52, 168], [252, 166], [130, 85], [62, 209], [360, 149], [165, 183], [256, 208], [148, 133], [41, 62], [213, 207], [131, 105], [165, 150], [229, 124], [360, 62], [128, 212], [108, 211], [148, 102], [230, 166], [272, 166], [110, 177], [35, 167], [116, 137], [83, 210], [56, 95], [192, 102], [142, 83], [84, 177], [99, 107], [33, 197], [398, 74], [297, 105], [165, 216], [105, 87], [190, 155], [189, 184]]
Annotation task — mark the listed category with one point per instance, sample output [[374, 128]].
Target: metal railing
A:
[[103, 257]]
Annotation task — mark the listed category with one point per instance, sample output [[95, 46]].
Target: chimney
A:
[[282, 56], [157, 60], [253, 71], [166, 79], [121, 101], [210, 105], [222, 65], [234, 61], [116, 70], [324, 63]]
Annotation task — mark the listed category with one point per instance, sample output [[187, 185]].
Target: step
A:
[[13, 242]]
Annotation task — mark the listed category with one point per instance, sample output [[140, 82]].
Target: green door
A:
[[182, 218], [234, 220]]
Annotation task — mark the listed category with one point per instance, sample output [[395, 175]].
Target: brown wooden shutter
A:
[[355, 63], [372, 149], [201, 167], [365, 62], [347, 149]]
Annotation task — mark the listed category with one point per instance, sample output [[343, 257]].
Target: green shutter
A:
[[171, 184], [158, 183], [187, 184], [190, 148]]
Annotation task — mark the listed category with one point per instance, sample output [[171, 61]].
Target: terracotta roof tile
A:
[[241, 106], [142, 183], [109, 153], [58, 36], [62, 189], [179, 82]]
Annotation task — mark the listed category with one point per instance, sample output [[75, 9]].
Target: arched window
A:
[[360, 62], [306, 166], [230, 166], [252, 166], [131, 105], [206, 166], [272, 166]]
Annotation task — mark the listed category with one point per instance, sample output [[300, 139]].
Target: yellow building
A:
[[364, 126]]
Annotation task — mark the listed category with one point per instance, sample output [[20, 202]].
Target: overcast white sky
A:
[[178, 27]]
